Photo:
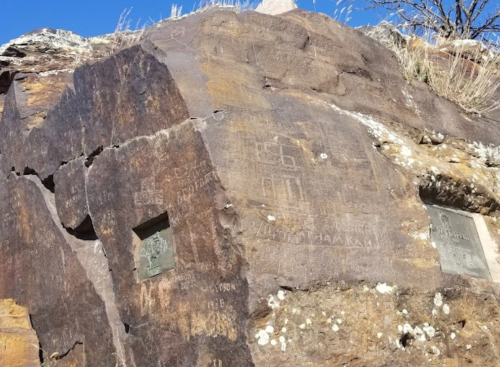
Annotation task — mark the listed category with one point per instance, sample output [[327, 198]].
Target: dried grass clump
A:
[[469, 84], [124, 35], [470, 80]]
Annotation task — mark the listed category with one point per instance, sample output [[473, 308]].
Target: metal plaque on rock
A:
[[457, 240], [156, 254]]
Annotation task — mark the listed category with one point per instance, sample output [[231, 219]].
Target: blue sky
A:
[[94, 17]]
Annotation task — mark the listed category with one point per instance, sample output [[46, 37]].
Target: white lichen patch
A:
[[281, 295], [486, 152], [405, 151], [55, 72], [446, 309], [419, 334], [383, 288], [435, 350], [262, 337], [375, 128], [429, 330], [407, 329], [423, 235], [283, 343], [438, 300], [272, 302]]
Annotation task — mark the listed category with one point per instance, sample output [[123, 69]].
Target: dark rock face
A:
[[173, 203], [59, 305]]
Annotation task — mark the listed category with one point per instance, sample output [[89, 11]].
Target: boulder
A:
[[275, 7], [239, 189]]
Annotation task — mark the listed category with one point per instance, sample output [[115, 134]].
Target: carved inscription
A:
[[287, 188], [275, 154], [458, 243], [348, 234], [156, 254], [148, 195]]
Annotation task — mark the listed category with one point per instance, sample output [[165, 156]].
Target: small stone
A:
[[335, 327]]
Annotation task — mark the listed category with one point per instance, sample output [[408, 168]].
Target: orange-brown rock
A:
[[18, 341]]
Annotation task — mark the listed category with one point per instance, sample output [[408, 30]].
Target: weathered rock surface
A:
[[245, 190], [18, 341]]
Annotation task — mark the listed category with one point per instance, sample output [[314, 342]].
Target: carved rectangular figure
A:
[[156, 254], [457, 240]]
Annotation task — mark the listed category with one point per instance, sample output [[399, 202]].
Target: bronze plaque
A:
[[457, 240], [157, 254]]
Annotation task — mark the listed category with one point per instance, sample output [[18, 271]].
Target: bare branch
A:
[[452, 20]]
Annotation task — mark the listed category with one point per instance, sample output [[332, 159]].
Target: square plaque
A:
[[156, 254], [457, 240]]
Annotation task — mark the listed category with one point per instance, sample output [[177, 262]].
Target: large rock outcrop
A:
[[246, 190]]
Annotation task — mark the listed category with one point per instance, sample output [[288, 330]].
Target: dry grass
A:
[[470, 85], [468, 79], [124, 35]]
